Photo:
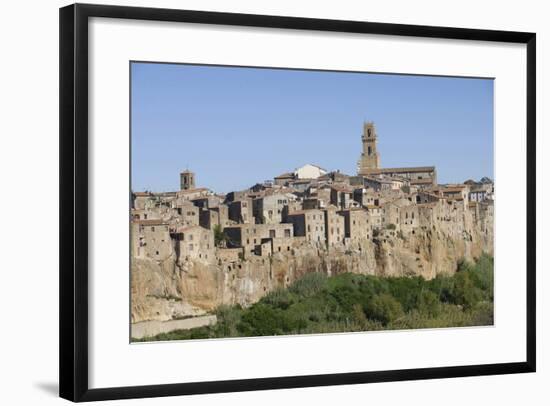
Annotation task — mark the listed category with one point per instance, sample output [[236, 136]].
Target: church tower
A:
[[369, 157], [187, 180]]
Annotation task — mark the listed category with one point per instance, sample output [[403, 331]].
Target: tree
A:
[[219, 236]]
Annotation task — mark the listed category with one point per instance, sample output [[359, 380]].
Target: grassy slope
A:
[[350, 302]]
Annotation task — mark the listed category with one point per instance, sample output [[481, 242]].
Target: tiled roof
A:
[[285, 175], [400, 170], [152, 222]]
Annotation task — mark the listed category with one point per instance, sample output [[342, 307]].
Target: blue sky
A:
[[237, 126]]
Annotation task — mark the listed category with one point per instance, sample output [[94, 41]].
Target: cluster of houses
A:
[[308, 206]]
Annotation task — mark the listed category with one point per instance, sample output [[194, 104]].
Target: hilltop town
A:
[[194, 249]]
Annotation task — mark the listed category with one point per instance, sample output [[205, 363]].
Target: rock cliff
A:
[[172, 289]]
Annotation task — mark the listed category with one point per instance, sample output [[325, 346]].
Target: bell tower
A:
[[187, 180], [369, 157]]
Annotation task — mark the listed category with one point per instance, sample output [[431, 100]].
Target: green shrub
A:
[[383, 308], [279, 298], [309, 285], [353, 302]]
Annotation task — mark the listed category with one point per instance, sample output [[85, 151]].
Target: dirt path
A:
[[152, 328]]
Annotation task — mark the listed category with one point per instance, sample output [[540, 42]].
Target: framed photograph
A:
[[258, 202]]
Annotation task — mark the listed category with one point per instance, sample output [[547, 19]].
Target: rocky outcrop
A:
[[172, 289]]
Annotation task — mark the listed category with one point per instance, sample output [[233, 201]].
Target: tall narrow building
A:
[[187, 180], [369, 157]]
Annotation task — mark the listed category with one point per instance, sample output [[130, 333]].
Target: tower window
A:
[[369, 150]]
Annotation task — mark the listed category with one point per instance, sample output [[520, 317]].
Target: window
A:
[[190, 247], [287, 233], [157, 252], [145, 216], [271, 233], [153, 229]]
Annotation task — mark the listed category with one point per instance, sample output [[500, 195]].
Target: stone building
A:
[[309, 171], [207, 202], [313, 203], [366, 197], [341, 196], [334, 177], [334, 226], [369, 163], [145, 214], [409, 218], [151, 239], [215, 216], [191, 194], [284, 179], [188, 213], [369, 159], [187, 180], [241, 211], [193, 242], [392, 212], [309, 224], [269, 208], [421, 176], [480, 192], [142, 200], [251, 236], [375, 216], [357, 224], [383, 183]]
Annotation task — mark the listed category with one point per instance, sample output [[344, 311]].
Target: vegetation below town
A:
[[353, 302]]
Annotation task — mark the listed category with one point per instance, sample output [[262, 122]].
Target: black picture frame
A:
[[73, 254]]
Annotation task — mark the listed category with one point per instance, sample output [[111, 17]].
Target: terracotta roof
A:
[[342, 188], [421, 181], [285, 175], [452, 189], [184, 229], [400, 170], [306, 211], [196, 190], [142, 194], [152, 222]]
